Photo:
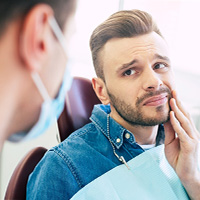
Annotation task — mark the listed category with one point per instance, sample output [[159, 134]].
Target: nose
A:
[[151, 80]]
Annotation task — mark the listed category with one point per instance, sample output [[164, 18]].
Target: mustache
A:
[[154, 93]]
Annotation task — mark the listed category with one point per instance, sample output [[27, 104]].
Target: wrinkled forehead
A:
[[119, 50]]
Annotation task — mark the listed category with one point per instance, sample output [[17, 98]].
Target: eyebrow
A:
[[126, 65], [156, 56]]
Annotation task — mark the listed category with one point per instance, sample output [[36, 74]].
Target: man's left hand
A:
[[182, 147]]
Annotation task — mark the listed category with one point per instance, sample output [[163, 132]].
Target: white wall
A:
[[188, 85]]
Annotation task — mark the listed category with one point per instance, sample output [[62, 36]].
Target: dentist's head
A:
[[34, 69]]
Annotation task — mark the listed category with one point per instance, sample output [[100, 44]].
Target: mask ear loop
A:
[[58, 33], [38, 82], [36, 78], [60, 37]]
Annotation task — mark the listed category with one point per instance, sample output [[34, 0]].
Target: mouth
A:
[[156, 100]]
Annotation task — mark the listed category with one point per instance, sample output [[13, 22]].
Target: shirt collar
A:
[[116, 131]]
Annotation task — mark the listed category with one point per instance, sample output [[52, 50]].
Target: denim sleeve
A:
[[52, 179]]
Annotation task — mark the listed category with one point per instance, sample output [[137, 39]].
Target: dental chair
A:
[[78, 107], [17, 186], [80, 101]]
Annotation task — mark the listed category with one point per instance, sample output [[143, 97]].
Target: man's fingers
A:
[[169, 133], [177, 126], [179, 104], [184, 122]]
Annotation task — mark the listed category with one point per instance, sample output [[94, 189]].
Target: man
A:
[[32, 64], [136, 86]]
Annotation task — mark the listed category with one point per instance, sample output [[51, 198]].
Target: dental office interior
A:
[[179, 24]]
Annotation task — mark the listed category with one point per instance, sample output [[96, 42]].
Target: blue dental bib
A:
[[150, 178]]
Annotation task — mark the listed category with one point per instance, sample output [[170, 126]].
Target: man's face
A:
[[138, 79]]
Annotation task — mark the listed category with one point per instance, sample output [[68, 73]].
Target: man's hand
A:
[[182, 147]]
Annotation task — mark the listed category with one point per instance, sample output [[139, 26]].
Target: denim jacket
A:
[[85, 155]]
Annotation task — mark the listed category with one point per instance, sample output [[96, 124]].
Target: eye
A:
[[129, 72], [160, 66]]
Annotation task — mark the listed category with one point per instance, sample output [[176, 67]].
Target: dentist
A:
[[34, 75]]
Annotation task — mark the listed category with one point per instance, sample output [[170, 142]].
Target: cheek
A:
[[125, 94], [169, 81], [130, 97]]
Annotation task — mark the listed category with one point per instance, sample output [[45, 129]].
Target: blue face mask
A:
[[51, 108]]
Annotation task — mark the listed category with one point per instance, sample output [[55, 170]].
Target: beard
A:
[[135, 116]]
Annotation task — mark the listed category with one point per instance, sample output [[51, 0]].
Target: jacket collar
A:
[[116, 132]]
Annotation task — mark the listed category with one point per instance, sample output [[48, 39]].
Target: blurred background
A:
[[178, 21]]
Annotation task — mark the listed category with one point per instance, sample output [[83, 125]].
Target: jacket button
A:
[[118, 140], [127, 135]]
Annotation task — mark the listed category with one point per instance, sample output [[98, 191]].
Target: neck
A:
[[143, 134], [13, 83], [7, 106]]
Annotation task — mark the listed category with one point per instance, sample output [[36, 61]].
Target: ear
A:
[[100, 90], [34, 39]]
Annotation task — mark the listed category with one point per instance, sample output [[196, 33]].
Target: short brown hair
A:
[[122, 24]]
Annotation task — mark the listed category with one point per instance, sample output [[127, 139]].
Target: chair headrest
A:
[[80, 101]]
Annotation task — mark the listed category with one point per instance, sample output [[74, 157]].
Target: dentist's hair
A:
[[122, 24], [14, 9]]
